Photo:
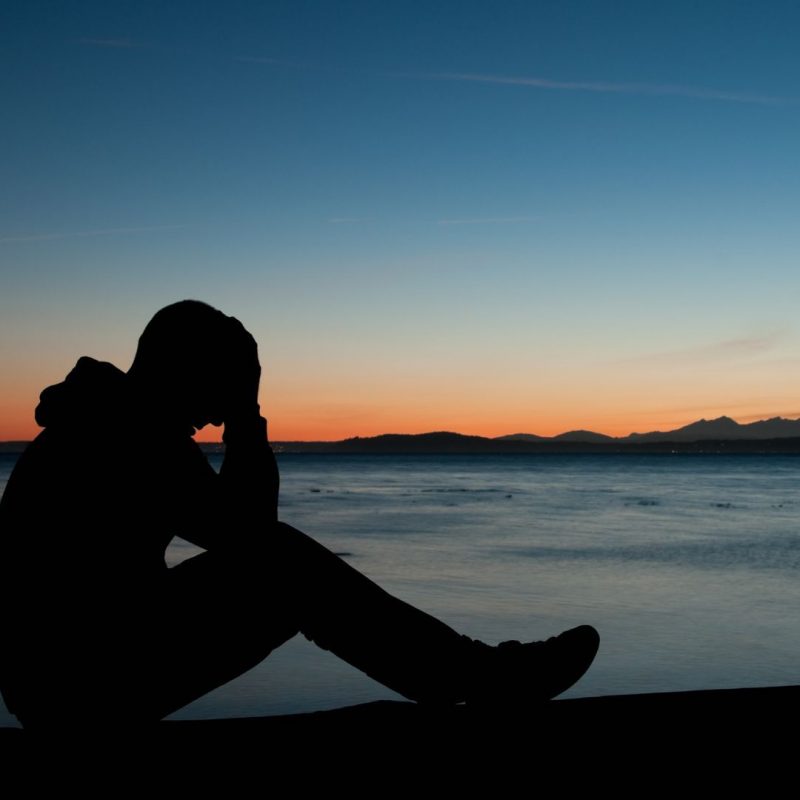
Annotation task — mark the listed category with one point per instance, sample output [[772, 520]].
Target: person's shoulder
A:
[[38, 469], [37, 451]]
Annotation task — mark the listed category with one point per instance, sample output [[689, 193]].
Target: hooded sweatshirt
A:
[[86, 518], [98, 495], [76, 504]]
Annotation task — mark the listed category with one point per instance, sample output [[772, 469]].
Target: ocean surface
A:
[[686, 564]]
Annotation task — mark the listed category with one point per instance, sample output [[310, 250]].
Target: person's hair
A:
[[183, 338]]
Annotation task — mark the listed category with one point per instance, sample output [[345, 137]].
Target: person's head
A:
[[188, 358]]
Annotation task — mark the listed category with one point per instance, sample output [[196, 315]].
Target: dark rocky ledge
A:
[[751, 713]]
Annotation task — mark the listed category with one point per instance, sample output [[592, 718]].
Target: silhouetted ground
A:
[[720, 737]]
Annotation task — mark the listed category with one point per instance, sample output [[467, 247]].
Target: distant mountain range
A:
[[719, 428], [722, 434]]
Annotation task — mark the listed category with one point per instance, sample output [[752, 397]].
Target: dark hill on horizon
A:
[[723, 434], [583, 436]]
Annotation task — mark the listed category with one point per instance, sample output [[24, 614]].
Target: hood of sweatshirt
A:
[[93, 392]]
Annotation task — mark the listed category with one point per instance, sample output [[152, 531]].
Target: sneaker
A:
[[517, 673]]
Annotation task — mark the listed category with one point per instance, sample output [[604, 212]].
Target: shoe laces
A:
[[513, 644]]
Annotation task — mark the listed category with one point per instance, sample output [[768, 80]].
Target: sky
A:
[[482, 217]]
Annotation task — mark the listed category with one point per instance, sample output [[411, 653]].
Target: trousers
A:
[[218, 614]]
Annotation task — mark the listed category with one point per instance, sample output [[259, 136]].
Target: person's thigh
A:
[[122, 656], [218, 616]]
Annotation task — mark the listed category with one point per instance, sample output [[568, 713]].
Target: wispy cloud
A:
[[122, 44], [278, 62], [256, 60], [724, 350], [484, 220], [696, 92], [712, 408], [45, 237], [453, 221]]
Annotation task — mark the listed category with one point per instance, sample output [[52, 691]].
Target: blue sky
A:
[[488, 217]]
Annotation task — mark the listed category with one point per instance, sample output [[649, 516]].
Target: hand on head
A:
[[195, 365], [242, 375]]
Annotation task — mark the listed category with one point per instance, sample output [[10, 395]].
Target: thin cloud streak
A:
[[655, 90], [454, 221], [712, 409], [256, 60], [46, 237], [730, 348], [280, 62], [484, 220], [122, 44]]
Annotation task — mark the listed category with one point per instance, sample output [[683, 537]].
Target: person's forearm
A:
[[249, 472]]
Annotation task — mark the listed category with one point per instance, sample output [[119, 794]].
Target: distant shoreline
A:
[[458, 444]]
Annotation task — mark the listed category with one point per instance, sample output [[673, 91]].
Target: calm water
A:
[[687, 565]]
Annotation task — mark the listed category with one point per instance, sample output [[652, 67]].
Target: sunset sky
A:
[[483, 217]]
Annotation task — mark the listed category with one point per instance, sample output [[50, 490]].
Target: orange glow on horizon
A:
[[25, 430], [331, 406], [22, 429]]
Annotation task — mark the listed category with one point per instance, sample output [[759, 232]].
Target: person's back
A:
[[84, 524]]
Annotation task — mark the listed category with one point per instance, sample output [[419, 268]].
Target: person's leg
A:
[[222, 612], [343, 611], [132, 660], [286, 581]]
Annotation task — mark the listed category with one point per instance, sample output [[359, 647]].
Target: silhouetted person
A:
[[95, 627]]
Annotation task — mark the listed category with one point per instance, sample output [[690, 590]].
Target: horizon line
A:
[[489, 438]]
